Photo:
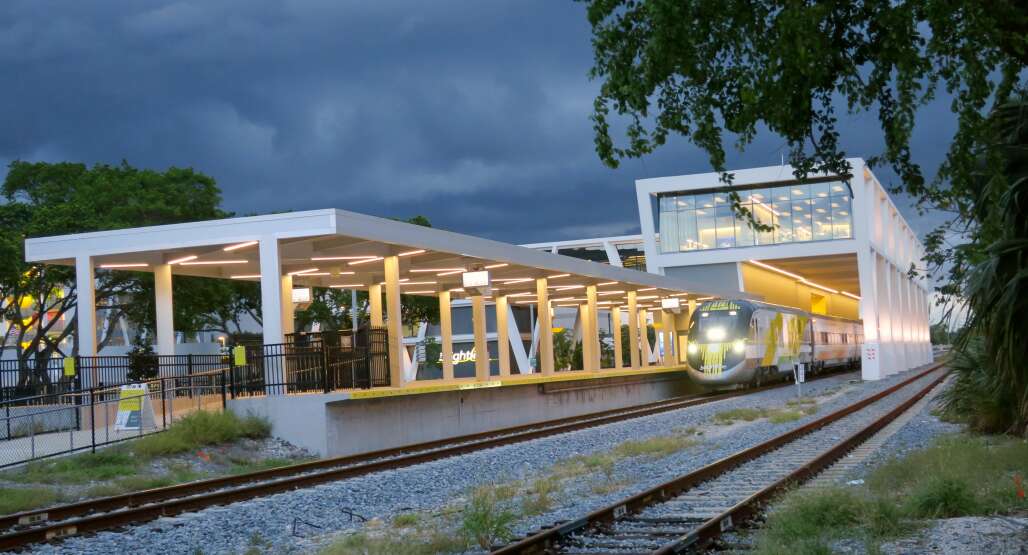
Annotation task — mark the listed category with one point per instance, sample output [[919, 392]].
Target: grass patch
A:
[[14, 500], [487, 519], [956, 476], [244, 466], [106, 464], [200, 429], [429, 543], [794, 410]]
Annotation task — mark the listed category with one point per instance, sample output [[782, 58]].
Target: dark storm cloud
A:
[[472, 113]]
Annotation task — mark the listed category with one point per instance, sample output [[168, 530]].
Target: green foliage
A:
[[142, 361], [564, 350], [106, 464], [487, 519], [975, 396], [626, 355]]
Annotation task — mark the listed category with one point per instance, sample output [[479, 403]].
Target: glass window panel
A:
[[821, 217], [705, 201], [819, 190], [799, 192], [761, 195], [744, 233], [721, 198], [667, 203], [686, 201], [705, 227], [783, 218], [842, 217], [668, 231], [838, 189], [781, 194], [687, 237], [763, 213], [801, 220], [725, 227]]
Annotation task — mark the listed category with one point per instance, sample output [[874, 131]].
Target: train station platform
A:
[[357, 421]]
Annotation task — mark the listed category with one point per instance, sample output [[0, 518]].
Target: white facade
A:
[[879, 249]]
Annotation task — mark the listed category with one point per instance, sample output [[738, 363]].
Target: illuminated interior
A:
[[810, 212]]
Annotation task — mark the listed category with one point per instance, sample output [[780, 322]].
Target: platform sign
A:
[[69, 366], [134, 409], [239, 355]]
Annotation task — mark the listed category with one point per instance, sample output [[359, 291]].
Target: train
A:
[[742, 343]]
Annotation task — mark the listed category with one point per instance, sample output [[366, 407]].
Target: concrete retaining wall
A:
[[334, 425]]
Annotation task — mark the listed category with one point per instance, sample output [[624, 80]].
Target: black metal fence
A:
[[52, 424]]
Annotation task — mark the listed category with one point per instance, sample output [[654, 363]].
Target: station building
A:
[[838, 247]]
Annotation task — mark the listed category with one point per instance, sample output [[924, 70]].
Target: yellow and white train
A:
[[737, 342]]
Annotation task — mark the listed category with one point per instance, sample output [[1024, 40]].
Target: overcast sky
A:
[[473, 113]]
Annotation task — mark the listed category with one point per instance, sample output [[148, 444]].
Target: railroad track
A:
[[692, 510], [62, 521]]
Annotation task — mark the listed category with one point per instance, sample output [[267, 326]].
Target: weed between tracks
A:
[[956, 476], [794, 410], [488, 514]]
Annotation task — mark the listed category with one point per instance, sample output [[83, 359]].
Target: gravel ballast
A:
[[301, 521]]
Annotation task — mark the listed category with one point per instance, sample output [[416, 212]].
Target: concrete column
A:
[[271, 294], [644, 337], [481, 344], [164, 309], [615, 329], [375, 305], [288, 311], [592, 335], [668, 323], [545, 326], [85, 312], [633, 331], [394, 322], [446, 333], [503, 334], [870, 368]]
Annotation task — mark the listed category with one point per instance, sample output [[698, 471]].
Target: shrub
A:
[[943, 498], [199, 429]]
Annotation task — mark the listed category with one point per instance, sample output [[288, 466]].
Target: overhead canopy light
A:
[[238, 246]]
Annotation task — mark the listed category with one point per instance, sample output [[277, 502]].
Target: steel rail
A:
[[546, 539], [81, 517]]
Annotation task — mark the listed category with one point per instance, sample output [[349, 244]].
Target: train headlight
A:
[[739, 345], [716, 334], [692, 349]]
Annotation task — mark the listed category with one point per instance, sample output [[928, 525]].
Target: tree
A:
[[704, 68], [45, 199]]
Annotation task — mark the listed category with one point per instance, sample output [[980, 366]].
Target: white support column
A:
[[481, 344], [394, 322], [85, 312], [668, 323], [633, 331], [593, 332], [164, 309], [503, 334], [884, 317], [375, 305], [870, 368], [288, 313], [446, 333], [545, 326], [271, 294], [644, 337], [615, 330]]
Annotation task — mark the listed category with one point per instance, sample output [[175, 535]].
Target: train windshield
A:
[[716, 326]]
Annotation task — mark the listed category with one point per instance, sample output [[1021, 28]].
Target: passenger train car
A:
[[737, 342]]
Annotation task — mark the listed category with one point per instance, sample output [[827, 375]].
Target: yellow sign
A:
[[239, 354], [134, 410], [69, 366]]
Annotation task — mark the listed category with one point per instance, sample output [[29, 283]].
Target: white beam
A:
[[85, 312]]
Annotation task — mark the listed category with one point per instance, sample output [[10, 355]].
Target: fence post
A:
[[232, 374], [92, 419], [224, 397], [189, 372], [164, 403], [324, 368], [8, 406]]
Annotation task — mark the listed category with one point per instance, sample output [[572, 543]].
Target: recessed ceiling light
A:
[[238, 246]]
